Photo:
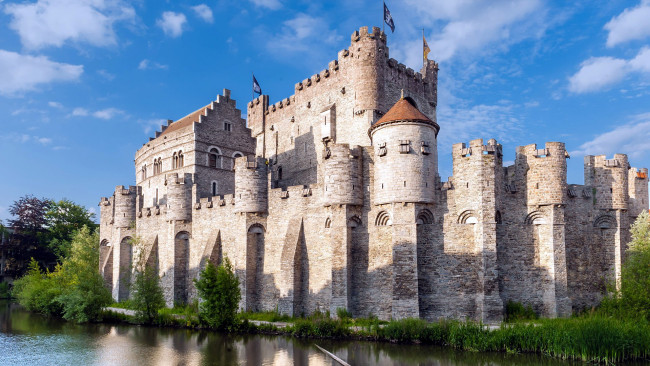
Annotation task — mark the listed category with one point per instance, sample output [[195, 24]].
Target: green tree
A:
[[218, 289], [30, 235], [148, 295], [84, 293], [63, 220]]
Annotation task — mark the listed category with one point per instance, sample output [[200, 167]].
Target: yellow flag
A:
[[425, 48]]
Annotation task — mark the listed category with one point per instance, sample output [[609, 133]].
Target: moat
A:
[[28, 338]]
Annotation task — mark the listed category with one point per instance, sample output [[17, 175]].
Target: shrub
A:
[[517, 311], [343, 313], [5, 292], [218, 289], [148, 295], [74, 290], [320, 327]]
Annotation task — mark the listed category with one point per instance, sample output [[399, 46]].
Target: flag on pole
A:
[[388, 19], [256, 86], [425, 48]]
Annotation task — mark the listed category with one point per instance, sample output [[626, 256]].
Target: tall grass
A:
[[590, 338]]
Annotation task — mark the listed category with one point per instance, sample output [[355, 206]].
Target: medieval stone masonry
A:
[[330, 198]]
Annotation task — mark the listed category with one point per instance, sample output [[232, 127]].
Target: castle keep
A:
[[330, 198]]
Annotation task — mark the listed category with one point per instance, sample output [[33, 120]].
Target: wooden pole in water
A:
[[333, 356]]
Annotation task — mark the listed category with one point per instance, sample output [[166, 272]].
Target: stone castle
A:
[[331, 198]]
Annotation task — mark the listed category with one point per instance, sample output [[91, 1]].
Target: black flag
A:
[[389, 19], [256, 86]]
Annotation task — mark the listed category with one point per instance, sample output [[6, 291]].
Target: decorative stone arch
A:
[[535, 218], [354, 222], [425, 217], [181, 266], [467, 217], [126, 266], [605, 221], [235, 155], [383, 219], [255, 248], [328, 223]]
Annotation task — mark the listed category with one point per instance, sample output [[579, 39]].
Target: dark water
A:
[[30, 339]]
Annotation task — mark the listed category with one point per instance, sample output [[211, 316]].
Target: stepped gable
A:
[[404, 110], [186, 121]]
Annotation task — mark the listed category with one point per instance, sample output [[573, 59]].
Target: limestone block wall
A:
[[343, 175], [251, 184], [638, 191], [609, 178]]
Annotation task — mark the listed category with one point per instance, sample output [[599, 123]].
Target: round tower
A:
[[546, 176], [368, 55], [125, 200], [406, 155], [179, 201], [342, 171], [251, 190]]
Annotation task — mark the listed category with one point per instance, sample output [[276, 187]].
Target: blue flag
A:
[[256, 86], [389, 19]]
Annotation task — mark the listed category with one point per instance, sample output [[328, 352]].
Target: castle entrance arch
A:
[[254, 267], [181, 266], [126, 266]]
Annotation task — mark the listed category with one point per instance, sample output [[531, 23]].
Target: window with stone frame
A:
[[227, 126], [426, 150], [175, 160], [404, 146], [180, 159], [214, 159], [382, 149]]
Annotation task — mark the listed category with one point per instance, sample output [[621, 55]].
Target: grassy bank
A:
[[590, 338]]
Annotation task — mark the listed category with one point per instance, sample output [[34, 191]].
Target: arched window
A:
[[160, 165], [328, 223], [214, 158], [425, 217], [383, 219], [180, 159], [279, 173], [175, 161], [214, 188]]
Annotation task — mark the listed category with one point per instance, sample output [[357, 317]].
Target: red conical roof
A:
[[404, 110]]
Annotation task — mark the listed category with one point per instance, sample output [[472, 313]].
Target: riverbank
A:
[[588, 338]]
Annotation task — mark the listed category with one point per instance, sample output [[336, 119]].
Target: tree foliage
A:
[[633, 298], [218, 288], [148, 295], [63, 219], [75, 290], [29, 213]]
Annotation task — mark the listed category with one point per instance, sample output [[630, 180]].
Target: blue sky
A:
[[83, 84]]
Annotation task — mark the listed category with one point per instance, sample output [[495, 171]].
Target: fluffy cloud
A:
[[56, 105], [54, 22], [631, 138], [631, 24], [472, 25], [149, 65], [26, 138], [300, 33], [598, 73], [80, 112], [172, 23], [107, 113], [204, 12], [269, 4], [20, 73]]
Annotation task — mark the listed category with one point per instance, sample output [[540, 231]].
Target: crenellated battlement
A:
[[609, 177]]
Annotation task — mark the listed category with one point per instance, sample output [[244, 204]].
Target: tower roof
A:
[[404, 111]]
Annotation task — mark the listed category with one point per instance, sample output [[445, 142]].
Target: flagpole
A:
[[383, 18], [423, 60], [252, 89]]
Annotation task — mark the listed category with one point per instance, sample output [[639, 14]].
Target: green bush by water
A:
[[5, 292], [516, 311], [218, 288]]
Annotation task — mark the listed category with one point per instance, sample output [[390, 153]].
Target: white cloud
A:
[[43, 140], [631, 24], [632, 138], [300, 33], [270, 4], [598, 73], [20, 73], [470, 26], [26, 138], [55, 105], [204, 12], [172, 23], [80, 112], [149, 65], [107, 113], [54, 22], [106, 75], [151, 125]]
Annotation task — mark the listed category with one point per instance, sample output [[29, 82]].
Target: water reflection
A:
[[27, 338]]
